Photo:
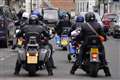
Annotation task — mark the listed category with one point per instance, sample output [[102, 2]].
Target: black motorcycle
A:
[[92, 61]]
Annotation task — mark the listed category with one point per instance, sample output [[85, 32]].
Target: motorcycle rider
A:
[[20, 13], [86, 32], [19, 24], [79, 20], [64, 22], [33, 26], [37, 13]]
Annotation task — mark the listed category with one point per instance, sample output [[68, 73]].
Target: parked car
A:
[[109, 19], [7, 27], [115, 29]]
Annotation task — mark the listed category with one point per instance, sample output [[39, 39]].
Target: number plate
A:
[[64, 42], [94, 50], [32, 60]]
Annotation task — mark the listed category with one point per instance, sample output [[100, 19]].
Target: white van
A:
[[50, 15]]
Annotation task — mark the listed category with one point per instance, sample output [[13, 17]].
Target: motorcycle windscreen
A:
[[64, 40], [32, 58]]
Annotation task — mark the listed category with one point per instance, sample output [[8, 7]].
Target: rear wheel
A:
[[4, 43], [31, 73], [32, 70], [93, 69], [64, 48]]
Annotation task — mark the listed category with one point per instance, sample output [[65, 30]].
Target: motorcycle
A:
[[31, 55], [92, 61], [74, 49], [64, 39]]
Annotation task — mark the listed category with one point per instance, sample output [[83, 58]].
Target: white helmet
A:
[[25, 15]]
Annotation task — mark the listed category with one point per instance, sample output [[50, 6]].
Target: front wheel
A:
[[31, 73]]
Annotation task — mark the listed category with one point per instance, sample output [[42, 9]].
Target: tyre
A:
[[32, 70], [48, 66], [93, 69], [31, 73], [64, 48], [5, 43], [69, 57], [114, 36]]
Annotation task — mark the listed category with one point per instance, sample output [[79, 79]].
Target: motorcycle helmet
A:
[[33, 19], [37, 13], [80, 19], [90, 17], [25, 15]]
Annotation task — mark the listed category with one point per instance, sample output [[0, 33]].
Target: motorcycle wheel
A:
[[64, 48], [69, 57], [32, 70], [114, 36], [31, 73], [93, 69]]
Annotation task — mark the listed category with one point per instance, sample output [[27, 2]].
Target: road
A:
[[8, 58]]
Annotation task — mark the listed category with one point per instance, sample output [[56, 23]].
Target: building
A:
[[32, 4], [84, 5], [2, 2], [63, 4], [114, 6], [16, 4], [108, 6], [36, 4]]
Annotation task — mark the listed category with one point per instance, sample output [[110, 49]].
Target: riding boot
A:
[[49, 68], [17, 68], [52, 62], [107, 71], [74, 68]]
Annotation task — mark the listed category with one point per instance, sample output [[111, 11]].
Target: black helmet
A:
[[90, 17], [33, 19]]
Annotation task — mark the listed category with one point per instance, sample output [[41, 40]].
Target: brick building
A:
[[63, 4]]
